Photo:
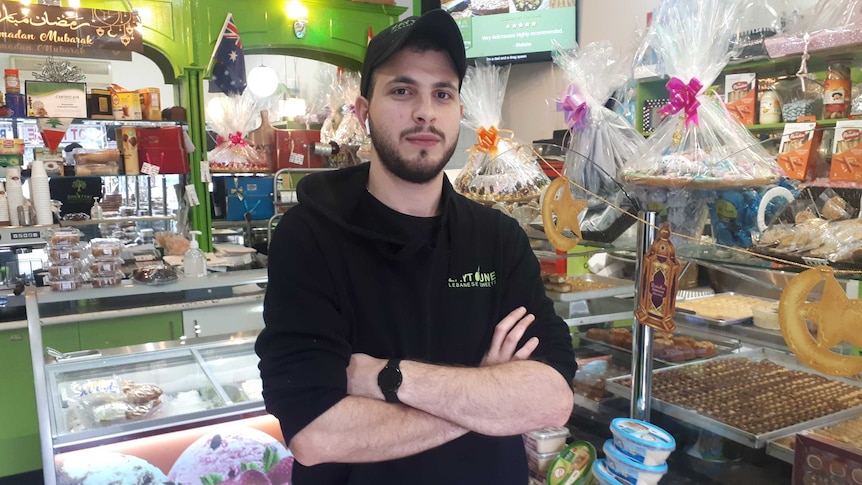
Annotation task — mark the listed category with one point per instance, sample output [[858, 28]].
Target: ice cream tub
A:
[[539, 463], [546, 440], [642, 441], [623, 466], [573, 465], [603, 475]]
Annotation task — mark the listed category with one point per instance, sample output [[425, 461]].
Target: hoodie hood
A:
[[338, 195]]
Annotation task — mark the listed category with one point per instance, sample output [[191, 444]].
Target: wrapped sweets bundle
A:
[[698, 145], [334, 100], [350, 134], [498, 170], [601, 140], [231, 118]]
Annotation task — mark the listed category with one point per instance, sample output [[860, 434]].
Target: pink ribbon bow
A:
[[683, 97], [574, 105], [237, 139]]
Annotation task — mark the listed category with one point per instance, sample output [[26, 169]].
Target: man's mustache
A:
[[420, 129]]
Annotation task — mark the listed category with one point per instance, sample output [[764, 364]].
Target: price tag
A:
[[192, 196], [297, 158], [206, 175], [149, 169]]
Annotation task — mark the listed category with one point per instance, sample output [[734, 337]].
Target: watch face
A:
[[389, 379]]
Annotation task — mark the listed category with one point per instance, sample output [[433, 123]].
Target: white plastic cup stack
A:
[[4, 206], [14, 194], [40, 193]]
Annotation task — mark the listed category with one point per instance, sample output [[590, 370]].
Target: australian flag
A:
[[228, 73]]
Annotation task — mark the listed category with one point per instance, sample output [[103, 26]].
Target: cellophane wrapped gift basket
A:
[[698, 147], [350, 132], [232, 117], [601, 140], [827, 24], [499, 171]]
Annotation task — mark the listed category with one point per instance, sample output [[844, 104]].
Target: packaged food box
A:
[[847, 151], [539, 463], [546, 440], [741, 96], [125, 105], [99, 104], [797, 154], [151, 106]]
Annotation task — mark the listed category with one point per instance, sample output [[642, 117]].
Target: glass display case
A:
[[146, 406]]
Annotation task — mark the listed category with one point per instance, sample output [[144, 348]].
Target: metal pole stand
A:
[[642, 334]]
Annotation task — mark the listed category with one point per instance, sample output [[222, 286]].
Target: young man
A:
[[398, 346]]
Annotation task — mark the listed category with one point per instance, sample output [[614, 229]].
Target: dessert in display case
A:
[[179, 411]]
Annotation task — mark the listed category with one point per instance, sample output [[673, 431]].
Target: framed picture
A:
[[651, 114]]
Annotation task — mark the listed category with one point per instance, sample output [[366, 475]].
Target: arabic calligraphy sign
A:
[[64, 31]]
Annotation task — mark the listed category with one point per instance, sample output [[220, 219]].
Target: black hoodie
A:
[[347, 276]]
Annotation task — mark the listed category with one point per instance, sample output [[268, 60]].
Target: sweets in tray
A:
[[755, 396], [666, 347], [848, 432]]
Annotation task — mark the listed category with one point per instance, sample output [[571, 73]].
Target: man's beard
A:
[[414, 172]]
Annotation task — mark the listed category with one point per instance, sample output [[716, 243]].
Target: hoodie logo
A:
[[474, 279]]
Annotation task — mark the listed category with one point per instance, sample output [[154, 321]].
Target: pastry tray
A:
[[618, 287], [693, 418], [691, 317], [721, 348], [773, 448]]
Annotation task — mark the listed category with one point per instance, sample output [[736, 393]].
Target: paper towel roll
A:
[[14, 194]]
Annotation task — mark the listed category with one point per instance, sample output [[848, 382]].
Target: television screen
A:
[[509, 31]]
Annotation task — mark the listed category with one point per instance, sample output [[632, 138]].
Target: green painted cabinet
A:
[[19, 434], [139, 329]]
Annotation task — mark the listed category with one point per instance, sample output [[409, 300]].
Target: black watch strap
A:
[[389, 380]]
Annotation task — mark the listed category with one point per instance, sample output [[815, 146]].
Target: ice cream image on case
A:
[[233, 455], [101, 468]]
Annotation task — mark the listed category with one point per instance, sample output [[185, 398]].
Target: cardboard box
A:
[[56, 100], [126, 105], [163, 147], [293, 149], [151, 106], [741, 96], [249, 194], [847, 151], [99, 104], [14, 146], [797, 154]]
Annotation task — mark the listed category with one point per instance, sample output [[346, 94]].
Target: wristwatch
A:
[[389, 380]]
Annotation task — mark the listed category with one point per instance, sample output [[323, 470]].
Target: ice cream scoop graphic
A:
[[233, 455], [107, 468]]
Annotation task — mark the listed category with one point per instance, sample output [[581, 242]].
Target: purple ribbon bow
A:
[[683, 97], [574, 105]]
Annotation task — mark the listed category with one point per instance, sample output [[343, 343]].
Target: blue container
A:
[[17, 103]]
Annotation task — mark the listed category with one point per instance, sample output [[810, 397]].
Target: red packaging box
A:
[[163, 147], [298, 143]]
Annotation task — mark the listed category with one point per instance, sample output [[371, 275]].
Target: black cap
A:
[[436, 25]]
